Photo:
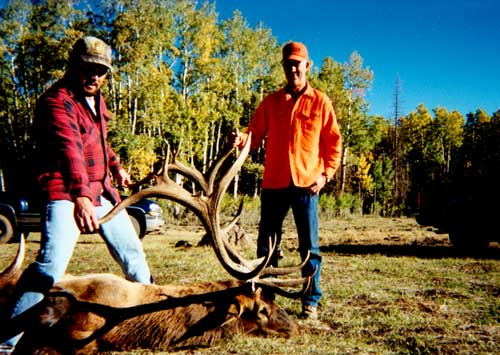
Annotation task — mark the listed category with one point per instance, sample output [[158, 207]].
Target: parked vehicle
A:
[[466, 211], [146, 216], [18, 215]]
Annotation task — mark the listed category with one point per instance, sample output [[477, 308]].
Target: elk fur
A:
[[104, 312]]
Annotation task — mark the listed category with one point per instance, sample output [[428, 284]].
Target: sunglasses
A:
[[91, 69], [289, 63]]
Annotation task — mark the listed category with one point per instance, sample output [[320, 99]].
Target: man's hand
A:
[[123, 178], [85, 215], [318, 184], [235, 139]]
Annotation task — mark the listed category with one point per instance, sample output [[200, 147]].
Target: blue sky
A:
[[445, 52]]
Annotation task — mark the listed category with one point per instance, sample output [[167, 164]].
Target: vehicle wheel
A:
[[137, 226], [465, 227], [465, 237], [463, 241], [6, 229]]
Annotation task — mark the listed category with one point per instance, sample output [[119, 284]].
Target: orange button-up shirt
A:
[[303, 138]]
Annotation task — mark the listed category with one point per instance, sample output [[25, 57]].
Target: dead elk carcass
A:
[[85, 314]]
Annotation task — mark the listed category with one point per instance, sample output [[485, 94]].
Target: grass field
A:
[[390, 287]]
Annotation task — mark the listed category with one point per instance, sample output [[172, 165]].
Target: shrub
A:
[[346, 204]]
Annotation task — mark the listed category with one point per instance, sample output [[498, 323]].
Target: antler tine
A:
[[216, 168], [164, 187], [242, 268], [276, 285], [192, 174], [18, 261], [135, 186], [275, 271], [124, 204], [234, 254], [235, 220], [268, 271], [221, 188], [250, 264], [188, 172]]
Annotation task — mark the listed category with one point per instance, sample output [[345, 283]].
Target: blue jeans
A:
[[275, 204], [58, 239]]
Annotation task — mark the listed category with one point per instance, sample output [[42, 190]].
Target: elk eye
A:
[[264, 311]]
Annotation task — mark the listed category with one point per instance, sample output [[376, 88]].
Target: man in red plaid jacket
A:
[[76, 165]]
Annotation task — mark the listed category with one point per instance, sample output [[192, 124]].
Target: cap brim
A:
[[296, 57], [95, 60]]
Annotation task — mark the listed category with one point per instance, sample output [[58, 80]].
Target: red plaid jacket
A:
[[74, 158]]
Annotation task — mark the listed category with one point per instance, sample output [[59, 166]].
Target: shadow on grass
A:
[[419, 251]]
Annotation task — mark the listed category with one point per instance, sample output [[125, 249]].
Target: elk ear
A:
[[266, 293], [55, 306], [235, 309], [54, 309]]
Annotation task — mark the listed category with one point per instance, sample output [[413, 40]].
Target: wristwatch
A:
[[327, 178]]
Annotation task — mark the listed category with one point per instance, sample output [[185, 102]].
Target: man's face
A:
[[295, 72], [90, 77]]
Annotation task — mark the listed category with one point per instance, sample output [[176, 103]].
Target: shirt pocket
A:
[[308, 133]]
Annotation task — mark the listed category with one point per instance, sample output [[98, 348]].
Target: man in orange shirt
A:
[[303, 149]]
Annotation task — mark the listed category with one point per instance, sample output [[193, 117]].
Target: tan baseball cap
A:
[[91, 50]]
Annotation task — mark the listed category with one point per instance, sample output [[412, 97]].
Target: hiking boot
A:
[[309, 312]]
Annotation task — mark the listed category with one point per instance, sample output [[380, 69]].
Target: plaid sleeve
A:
[[64, 135]]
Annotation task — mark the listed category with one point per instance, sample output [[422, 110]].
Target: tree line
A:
[[183, 79]]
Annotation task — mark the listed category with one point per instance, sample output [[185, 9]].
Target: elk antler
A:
[[15, 267], [206, 206]]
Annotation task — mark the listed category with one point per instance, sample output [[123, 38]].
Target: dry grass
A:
[[390, 287]]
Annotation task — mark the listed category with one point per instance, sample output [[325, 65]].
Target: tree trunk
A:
[[236, 181]]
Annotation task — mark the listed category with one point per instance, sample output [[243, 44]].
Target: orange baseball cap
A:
[[295, 51]]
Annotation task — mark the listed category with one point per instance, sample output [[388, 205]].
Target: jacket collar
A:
[[307, 91]]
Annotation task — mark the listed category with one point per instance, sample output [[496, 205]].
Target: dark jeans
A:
[[275, 204]]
